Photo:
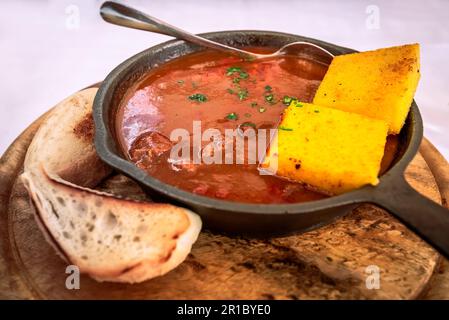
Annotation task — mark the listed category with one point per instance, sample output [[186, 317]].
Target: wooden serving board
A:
[[327, 263]]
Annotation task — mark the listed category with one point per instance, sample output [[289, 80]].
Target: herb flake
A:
[[285, 128], [232, 116], [199, 97], [241, 74], [270, 98], [232, 70], [248, 124], [242, 94], [287, 100]]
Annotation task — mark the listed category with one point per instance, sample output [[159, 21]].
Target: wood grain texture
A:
[[11, 162], [327, 263], [439, 286]]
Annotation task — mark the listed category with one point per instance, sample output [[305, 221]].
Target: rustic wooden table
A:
[[328, 263]]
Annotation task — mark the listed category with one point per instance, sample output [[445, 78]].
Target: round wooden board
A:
[[328, 263]]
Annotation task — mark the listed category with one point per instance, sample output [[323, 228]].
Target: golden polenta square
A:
[[331, 150], [379, 84]]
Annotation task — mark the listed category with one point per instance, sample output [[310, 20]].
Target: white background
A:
[[50, 49]]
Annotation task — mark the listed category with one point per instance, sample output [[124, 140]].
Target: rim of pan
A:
[[104, 141]]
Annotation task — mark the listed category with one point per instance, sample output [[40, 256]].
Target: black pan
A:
[[393, 193]]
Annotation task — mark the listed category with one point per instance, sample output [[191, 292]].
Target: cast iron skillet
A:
[[393, 193]]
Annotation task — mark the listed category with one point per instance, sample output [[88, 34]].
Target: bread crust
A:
[[94, 230], [64, 142]]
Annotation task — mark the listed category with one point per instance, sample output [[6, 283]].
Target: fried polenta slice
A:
[[379, 84], [331, 150]]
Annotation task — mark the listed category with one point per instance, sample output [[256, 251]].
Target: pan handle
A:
[[423, 216]]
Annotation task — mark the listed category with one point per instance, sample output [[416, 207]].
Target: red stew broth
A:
[[160, 103]]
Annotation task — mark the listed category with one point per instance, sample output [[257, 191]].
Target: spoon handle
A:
[[122, 15]]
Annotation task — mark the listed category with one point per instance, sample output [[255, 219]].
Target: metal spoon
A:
[[122, 15]]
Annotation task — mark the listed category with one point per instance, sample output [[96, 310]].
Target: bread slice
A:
[[108, 238], [64, 142]]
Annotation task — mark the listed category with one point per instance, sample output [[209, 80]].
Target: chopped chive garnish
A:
[[262, 109], [230, 91], [248, 124], [243, 75], [287, 100], [233, 70], [253, 104], [242, 94], [268, 88], [299, 105], [270, 98], [285, 128], [198, 97], [232, 116]]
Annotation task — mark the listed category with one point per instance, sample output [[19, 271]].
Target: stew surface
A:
[[223, 92]]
